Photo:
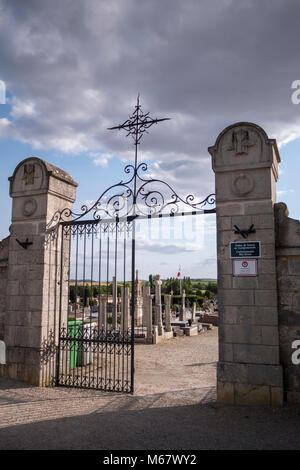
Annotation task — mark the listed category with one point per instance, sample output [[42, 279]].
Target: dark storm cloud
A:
[[74, 68]]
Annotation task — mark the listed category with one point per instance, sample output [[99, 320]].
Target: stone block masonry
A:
[[3, 282], [245, 162], [288, 281], [38, 190]]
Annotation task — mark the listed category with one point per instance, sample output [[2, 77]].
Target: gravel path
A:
[[173, 408], [181, 363]]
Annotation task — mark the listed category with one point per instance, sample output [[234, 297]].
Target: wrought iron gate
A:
[[96, 332], [96, 341]]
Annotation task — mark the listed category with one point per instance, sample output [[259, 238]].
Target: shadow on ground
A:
[[160, 421]]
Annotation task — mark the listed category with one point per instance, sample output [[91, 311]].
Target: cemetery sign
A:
[[245, 250]]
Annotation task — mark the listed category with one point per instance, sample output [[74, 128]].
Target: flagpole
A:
[[180, 283]]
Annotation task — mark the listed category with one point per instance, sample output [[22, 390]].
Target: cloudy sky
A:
[[74, 68]]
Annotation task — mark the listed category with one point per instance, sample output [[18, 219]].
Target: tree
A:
[[212, 287], [151, 281], [72, 295], [87, 293], [208, 294], [173, 284], [199, 301], [187, 285]]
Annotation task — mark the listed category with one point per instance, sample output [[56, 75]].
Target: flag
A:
[[178, 274]]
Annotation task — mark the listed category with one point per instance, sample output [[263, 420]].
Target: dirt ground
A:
[[173, 408], [182, 363]]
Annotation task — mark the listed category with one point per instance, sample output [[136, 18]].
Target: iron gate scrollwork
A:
[[95, 347], [97, 327]]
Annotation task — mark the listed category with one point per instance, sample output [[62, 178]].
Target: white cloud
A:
[[100, 159], [75, 68], [6, 128], [284, 192], [22, 109]]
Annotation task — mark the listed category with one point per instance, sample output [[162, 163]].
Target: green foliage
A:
[[208, 294], [173, 284], [151, 281], [72, 295], [212, 287], [176, 300], [187, 285]]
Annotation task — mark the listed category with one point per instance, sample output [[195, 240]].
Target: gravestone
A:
[[102, 321], [138, 301], [158, 309], [182, 315], [147, 312], [194, 312], [126, 320], [114, 304], [167, 301]]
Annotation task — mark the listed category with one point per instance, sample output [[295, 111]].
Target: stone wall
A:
[[38, 190], [288, 281], [3, 282], [245, 162], [209, 318]]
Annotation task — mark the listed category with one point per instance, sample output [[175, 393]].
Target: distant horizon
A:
[[142, 280]]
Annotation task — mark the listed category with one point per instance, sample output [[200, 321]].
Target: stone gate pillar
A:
[[38, 190], [245, 162]]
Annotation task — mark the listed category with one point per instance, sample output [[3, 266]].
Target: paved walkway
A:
[[174, 409]]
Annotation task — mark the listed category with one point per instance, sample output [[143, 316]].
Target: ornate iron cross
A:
[[153, 197], [136, 126]]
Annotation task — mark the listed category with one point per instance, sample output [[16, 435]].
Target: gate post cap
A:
[[243, 145], [36, 176]]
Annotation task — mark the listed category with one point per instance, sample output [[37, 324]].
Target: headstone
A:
[[119, 303], [125, 315], [138, 301], [194, 313], [114, 304], [182, 315], [158, 309], [103, 313], [147, 312], [167, 300]]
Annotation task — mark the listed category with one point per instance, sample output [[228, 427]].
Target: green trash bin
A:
[[75, 327]]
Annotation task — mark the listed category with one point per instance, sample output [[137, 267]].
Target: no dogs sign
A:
[[245, 267]]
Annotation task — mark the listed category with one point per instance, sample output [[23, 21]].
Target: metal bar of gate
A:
[[130, 218], [132, 305], [60, 305]]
